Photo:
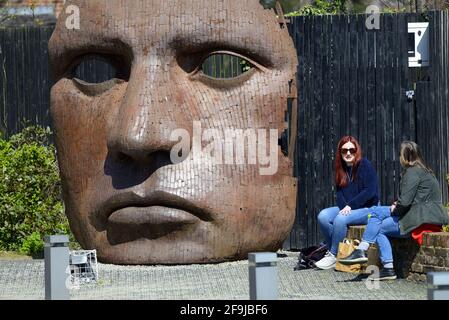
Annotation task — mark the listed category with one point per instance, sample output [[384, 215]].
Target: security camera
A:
[[410, 94]]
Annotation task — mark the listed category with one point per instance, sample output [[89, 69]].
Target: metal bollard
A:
[[56, 253], [263, 276], [438, 286]]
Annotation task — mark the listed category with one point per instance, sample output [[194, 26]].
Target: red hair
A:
[[341, 178]]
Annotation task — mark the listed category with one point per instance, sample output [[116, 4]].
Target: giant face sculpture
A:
[[124, 195]]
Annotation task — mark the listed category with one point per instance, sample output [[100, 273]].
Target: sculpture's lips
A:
[[154, 215], [135, 223], [130, 217], [155, 206]]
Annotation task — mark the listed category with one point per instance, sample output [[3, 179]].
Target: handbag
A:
[[308, 256], [345, 248]]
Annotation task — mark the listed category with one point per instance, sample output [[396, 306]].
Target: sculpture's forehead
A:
[[127, 16], [141, 21], [157, 7], [147, 25]]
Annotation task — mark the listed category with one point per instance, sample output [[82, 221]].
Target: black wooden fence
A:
[[25, 79], [350, 81], [354, 81]]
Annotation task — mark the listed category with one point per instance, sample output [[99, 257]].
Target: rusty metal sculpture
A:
[[124, 196]]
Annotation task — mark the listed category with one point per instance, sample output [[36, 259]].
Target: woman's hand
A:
[[346, 211], [393, 206]]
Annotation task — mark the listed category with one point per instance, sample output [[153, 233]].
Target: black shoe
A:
[[384, 274], [357, 256]]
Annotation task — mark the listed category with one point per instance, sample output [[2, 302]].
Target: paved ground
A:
[[24, 279]]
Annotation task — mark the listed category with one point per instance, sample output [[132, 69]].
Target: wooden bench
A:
[[412, 261]]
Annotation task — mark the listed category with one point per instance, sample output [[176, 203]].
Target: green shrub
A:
[[32, 135], [32, 245], [30, 191], [321, 7]]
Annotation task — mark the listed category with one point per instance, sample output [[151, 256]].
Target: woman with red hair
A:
[[357, 191], [418, 209]]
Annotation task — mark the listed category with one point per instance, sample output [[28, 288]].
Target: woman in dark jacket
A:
[[419, 203], [357, 191]]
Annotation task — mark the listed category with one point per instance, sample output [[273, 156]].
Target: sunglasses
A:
[[351, 150]]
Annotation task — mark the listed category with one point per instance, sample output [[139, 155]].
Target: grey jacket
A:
[[419, 201]]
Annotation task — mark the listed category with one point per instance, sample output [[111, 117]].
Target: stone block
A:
[[417, 277], [443, 240], [416, 267], [436, 239], [433, 268], [427, 240], [429, 251], [420, 258], [442, 252], [431, 260]]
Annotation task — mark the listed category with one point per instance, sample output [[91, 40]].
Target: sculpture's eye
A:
[[225, 66], [220, 69], [96, 73]]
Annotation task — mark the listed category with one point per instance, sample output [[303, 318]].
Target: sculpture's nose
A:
[[151, 110]]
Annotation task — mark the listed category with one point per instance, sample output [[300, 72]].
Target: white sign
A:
[[418, 44]]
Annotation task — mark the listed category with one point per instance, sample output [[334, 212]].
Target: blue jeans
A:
[[382, 225], [334, 226]]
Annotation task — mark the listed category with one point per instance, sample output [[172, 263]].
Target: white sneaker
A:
[[328, 262]]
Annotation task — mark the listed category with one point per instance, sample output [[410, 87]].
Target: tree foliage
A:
[[321, 7], [30, 191]]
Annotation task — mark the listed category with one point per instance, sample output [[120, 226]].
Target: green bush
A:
[[30, 191], [321, 7], [32, 245]]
